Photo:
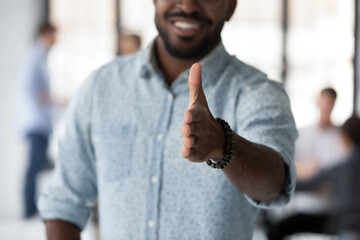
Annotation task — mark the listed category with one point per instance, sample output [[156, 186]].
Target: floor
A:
[[34, 229]]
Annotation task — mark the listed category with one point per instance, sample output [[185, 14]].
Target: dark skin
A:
[[255, 170], [61, 230], [171, 66]]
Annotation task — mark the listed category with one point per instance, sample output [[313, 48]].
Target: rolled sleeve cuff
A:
[[51, 209], [286, 192]]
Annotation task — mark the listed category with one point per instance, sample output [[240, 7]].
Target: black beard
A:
[[196, 52]]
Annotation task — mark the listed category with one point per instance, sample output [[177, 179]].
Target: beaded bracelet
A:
[[229, 147]]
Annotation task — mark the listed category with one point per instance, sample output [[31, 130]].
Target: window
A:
[[320, 46], [320, 54], [85, 41]]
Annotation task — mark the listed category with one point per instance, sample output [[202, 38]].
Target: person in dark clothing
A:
[[344, 219]]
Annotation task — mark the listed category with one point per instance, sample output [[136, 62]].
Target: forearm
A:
[[61, 230], [256, 170]]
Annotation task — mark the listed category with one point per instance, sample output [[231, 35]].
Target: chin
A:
[[186, 48]]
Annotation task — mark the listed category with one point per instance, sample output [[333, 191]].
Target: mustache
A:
[[193, 16]]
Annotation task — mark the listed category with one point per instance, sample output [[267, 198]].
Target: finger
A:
[[192, 155], [193, 115], [186, 130], [189, 142], [185, 152], [189, 154], [195, 85]]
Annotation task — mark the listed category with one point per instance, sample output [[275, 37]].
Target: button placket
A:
[[156, 167]]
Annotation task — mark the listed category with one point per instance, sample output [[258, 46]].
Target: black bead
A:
[[229, 146]]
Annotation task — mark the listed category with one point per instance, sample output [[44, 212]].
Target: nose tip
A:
[[189, 6]]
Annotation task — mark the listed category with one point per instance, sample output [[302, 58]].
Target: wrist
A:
[[227, 147], [220, 143]]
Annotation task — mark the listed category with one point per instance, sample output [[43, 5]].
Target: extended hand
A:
[[203, 136]]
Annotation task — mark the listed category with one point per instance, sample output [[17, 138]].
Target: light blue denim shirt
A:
[[123, 145]]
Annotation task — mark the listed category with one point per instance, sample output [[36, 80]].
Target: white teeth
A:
[[186, 25]]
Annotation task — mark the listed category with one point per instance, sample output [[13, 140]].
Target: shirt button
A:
[[151, 224], [160, 136], [170, 96], [154, 180]]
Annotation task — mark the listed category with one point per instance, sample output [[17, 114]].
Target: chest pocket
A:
[[115, 151]]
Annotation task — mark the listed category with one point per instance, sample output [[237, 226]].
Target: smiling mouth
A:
[[186, 25], [184, 28]]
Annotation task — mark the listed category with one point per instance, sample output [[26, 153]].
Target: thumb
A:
[[195, 85]]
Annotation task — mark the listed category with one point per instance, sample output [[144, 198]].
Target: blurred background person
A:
[[318, 146], [128, 44], [35, 111], [343, 218]]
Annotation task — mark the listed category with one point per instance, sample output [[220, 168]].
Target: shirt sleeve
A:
[[72, 192], [264, 116]]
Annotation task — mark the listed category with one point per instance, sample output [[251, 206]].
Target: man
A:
[[318, 148], [35, 120], [319, 145], [130, 119], [343, 218]]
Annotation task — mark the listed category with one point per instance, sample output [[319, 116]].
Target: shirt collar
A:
[[149, 63], [213, 64]]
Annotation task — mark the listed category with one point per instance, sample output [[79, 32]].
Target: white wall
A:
[[18, 20]]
